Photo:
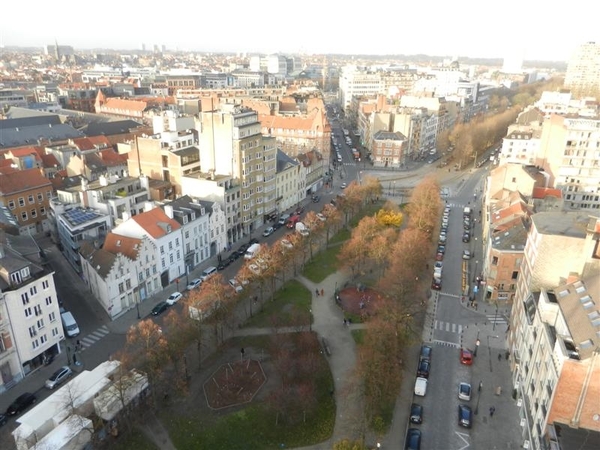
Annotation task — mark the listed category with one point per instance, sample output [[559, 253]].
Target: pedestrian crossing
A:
[[497, 319], [446, 343], [447, 326], [93, 337]]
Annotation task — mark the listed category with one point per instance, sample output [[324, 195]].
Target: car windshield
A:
[[55, 375]]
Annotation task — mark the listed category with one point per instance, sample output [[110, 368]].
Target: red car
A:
[[436, 284], [439, 257], [466, 356]]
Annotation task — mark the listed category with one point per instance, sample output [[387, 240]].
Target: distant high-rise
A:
[[583, 70], [143, 47]]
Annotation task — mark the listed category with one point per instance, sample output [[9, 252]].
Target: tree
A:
[[354, 253], [425, 205], [371, 188], [389, 218], [333, 222]]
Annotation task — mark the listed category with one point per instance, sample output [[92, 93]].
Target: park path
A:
[[154, 430]]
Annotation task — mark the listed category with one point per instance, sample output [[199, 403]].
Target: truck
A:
[[292, 221], [467, 212], [356, 154], [421, 386], [68, 321], [252, 251]]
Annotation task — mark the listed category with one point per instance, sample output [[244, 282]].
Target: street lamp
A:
[[475, 273], [68, 355], [477, 343], [495, 317], [310, 320]]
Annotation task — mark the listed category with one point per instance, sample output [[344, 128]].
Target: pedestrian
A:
[[492, 411], [344, 322], [322, 292], [317, 292], [499, 357]]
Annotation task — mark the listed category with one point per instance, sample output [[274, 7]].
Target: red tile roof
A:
[[152, 220], [124, 105], [110, 157], [22, 180], [25, 151], [90, 143], [541, 193], [129, 246]]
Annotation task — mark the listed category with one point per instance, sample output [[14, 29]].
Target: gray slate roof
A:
[[284, 161], [29, 135], [111, 128]]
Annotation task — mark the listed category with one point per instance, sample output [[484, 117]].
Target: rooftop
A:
[[80, 216], [570, 224]]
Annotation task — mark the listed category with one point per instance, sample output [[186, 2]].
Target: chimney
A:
[[573, 277], [169, 211]]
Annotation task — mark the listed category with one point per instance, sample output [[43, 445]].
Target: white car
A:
[[466, 254], [321, 217], [268, 232], [343, 185], [235, 285], [464, 391], [194, 284], [174, 298], [58, 377], [254, 269], [286, 243]]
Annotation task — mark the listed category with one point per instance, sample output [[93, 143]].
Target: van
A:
[[252, 251], [421, 386], [283, 219], [70, 326], [207, 273]]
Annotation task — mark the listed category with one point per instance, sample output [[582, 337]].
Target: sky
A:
[[532, 29]]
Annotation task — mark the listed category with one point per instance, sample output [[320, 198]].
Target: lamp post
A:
[[310, 320], [477, 343], [137, 306], [495, 317], [394, 190], [475, 272], [68, 355]]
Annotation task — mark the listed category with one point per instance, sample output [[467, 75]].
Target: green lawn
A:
[[322, 265], [293, 297], [254, 426], [358, 336]]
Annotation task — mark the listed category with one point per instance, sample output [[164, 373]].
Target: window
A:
[[128, 283], [24, 216], [40, 197], [54, 332], [33, 213], [38, 310], [171, 258], [11, 204], [33, 290], [495, 261], [52, 317], [21, 201], [35, 344], [32, 332], [514, 275], [30, 198], [48, 301], [121, 288], [43, 339], [162, 250], [171, 245], [25, 298], [42, 210], [27, 311], [45, 284], [40, 324]]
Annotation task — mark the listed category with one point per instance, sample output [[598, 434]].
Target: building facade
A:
[[583, 70]]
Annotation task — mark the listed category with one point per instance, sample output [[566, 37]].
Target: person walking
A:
[[492, 411], [317, 292], [322, 292]]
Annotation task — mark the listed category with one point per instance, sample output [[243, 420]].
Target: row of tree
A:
[[397, 256]]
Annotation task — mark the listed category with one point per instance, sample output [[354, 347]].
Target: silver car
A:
[[58, 377]]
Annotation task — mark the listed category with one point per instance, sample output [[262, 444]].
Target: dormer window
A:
[[168, 228], [193, 216], [20, 276]]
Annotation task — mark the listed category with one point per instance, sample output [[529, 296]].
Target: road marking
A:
[[447, 326], [497, 319], [446, 343], [464, 437], [94, 337], [447, 294]]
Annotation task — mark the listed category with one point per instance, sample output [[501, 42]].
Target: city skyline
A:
[[317, 27]]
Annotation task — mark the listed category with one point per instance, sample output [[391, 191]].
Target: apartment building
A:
[[358, 82], [119, 198], [291, 182], [313, 165], [521, 146], [26, 193], [542, 341], [388, 149], [194, 220], [221, 189], [571, 149], [121, 274], [165, 232], [231, 144], [30, 325], [583, 70]]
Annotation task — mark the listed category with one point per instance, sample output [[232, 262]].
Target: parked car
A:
[[436, 284], [423, 370], [160, 308], [416, 413], [421, 386], [466, 254], [465, 416], [343, 185], [299, 210], [268, 232], [425, 354], [316, 199], [439, 256], [235, 285], [413, 439], [441, 249], [194, 284], [466, 357], [464, 391], [321, 217], [173, 298], [21, 403], [58, 377], [466, 237], [223, 264]]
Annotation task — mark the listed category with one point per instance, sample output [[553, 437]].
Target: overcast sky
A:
[[535, 29]]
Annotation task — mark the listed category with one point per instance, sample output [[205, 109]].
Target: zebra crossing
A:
[[454, 205], [446, 343], [497, 319], [447, 326], [93, 337]]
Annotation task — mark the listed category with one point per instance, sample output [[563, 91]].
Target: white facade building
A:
[[165, 233], [355, 81], [291, 182], [30, 324], [123, 273]]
